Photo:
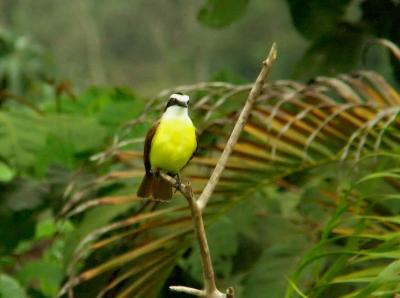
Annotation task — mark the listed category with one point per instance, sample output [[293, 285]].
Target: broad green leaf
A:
[[22, 136], [82, 133], [110, 107], [6, 173], [269, 275], [48, 275], [57, 152], [45, 228], [221, 13], [10, 288], [122, 107], [69, 137], [29, 141]]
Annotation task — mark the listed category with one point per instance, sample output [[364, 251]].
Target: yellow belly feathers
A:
[[173, 144]]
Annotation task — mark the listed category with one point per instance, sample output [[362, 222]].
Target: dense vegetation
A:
[[308, 205]]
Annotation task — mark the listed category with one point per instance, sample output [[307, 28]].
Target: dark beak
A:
[[182, 104]]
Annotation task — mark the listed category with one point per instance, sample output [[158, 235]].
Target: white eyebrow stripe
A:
[[180, 97]]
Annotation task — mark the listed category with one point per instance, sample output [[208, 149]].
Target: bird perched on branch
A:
[[169, 145]]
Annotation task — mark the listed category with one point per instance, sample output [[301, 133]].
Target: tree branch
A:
[[197, 206], [198, 224], [254, 93], [188, 290]]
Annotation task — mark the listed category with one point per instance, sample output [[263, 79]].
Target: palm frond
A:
[[292, 128]]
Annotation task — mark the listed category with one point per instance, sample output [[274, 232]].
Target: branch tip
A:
[[230, 292], [187, 290]]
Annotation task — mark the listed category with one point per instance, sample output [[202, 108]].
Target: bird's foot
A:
[[178, 181]]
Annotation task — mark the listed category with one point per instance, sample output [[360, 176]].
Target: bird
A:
[[170, 144]]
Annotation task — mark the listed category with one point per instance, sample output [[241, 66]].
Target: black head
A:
[[178, 99]]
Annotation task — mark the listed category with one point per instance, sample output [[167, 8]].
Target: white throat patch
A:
[[176, 112]]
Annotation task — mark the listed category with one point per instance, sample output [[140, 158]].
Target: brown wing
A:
[[147, 146]]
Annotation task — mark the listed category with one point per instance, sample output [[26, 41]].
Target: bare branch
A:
[[187, 290], [254, 93], [198, 224]]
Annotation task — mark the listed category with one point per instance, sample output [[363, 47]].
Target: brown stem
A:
[[234, 137], [210, 288], [208, 271]]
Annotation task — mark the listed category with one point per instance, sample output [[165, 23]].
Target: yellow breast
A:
[[173, 144]]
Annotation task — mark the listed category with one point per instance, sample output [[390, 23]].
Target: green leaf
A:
[[221, 13], [6, 173], [389, 275], [378, 175], [315, 18], [10, 288], [121, 107], [269, 275], [68, 137], [22, 137], [298, 291], [48, 274], [29, 141], [45, 228], [57, 151], [82, 133], [111, 107]]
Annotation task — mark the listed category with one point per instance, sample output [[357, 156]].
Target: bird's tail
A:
[[154, 187]]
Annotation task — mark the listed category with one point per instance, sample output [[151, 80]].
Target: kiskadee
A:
[[169, 145]]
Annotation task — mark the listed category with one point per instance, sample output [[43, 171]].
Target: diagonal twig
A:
[[197, 206], [253, 95]]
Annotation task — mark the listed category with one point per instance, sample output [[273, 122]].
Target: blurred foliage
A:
[[9, 287], [337, 41], [155, 45], [22, 64], [217, 14], [47, 134], [308, 204]]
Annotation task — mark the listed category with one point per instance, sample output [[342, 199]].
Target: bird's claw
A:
[[178, 182]]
